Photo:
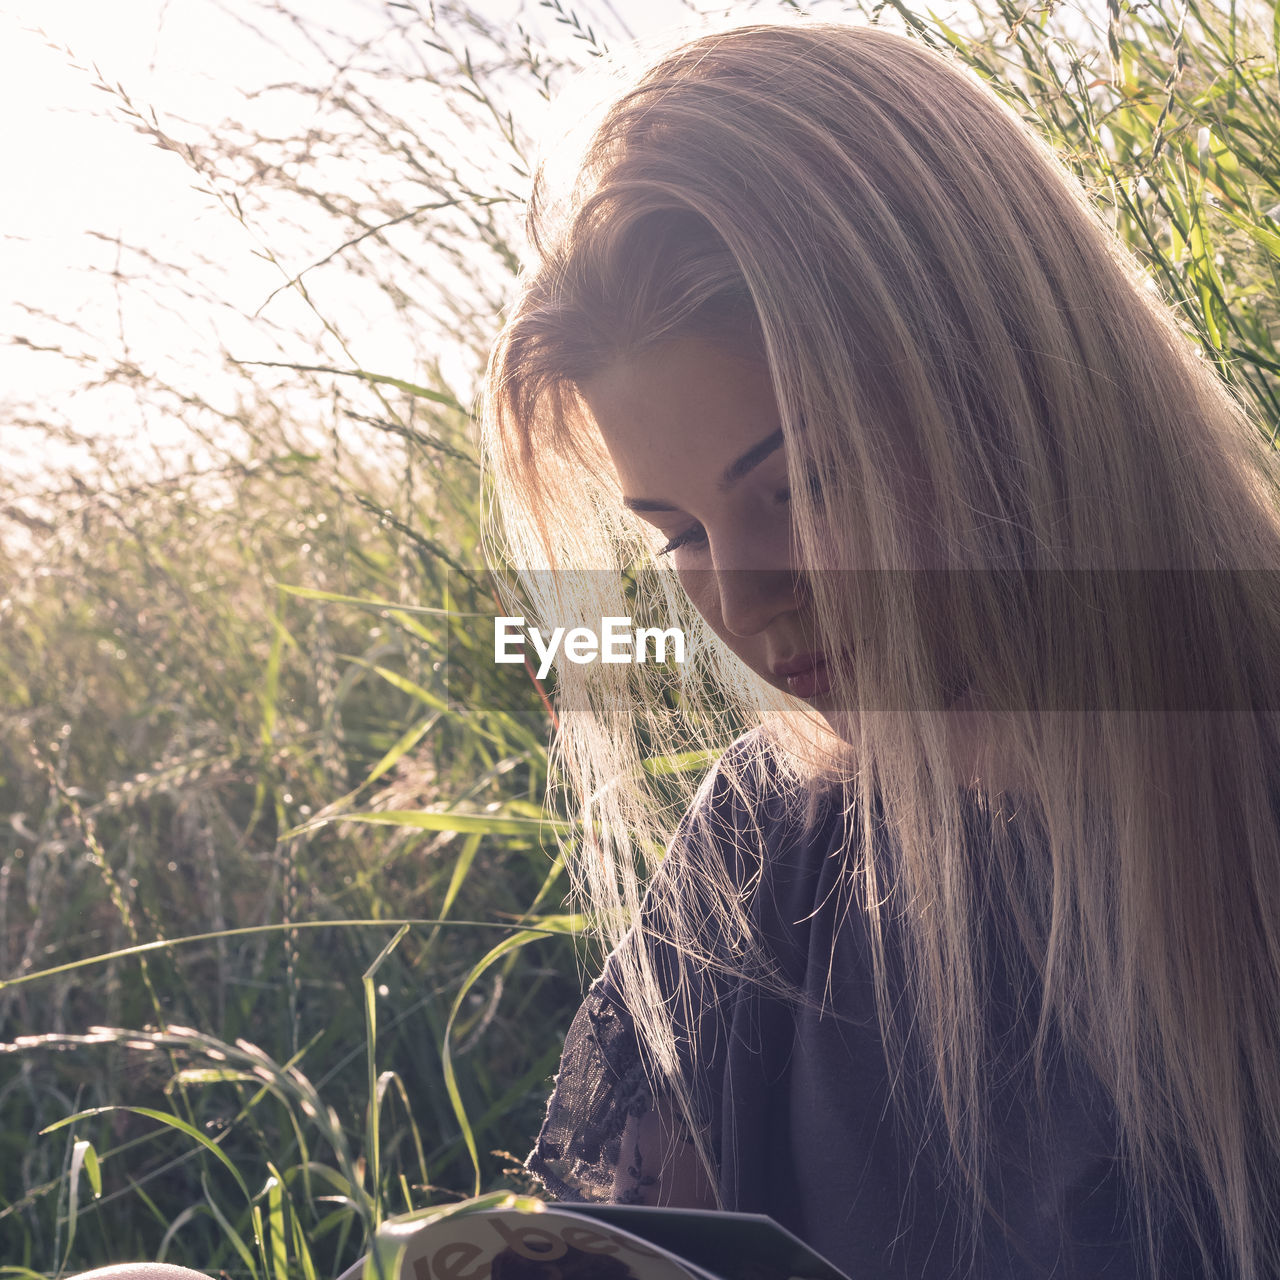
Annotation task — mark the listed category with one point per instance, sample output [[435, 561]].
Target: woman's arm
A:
[[660, 1164]]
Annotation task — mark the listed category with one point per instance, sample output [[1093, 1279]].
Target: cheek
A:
[[700, 586]]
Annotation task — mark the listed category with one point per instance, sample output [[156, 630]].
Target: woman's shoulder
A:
[[753, 778], [751, 806]]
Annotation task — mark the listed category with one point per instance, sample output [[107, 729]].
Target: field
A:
[[283, 940]]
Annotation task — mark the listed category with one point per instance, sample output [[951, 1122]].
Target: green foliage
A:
[[1170, 116], [209, 752], [280, 943]]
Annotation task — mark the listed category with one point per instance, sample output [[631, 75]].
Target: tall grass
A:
[[281, 940], [210, 745], [1170, 114]]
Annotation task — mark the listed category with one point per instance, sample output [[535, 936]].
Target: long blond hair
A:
[[932, 292]]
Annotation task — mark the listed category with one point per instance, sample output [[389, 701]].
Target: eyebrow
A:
[[731, 475]]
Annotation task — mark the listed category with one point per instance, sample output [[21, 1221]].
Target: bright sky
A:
[[72, 175], [74, 178]]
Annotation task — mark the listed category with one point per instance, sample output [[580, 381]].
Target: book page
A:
[[506, 1244]]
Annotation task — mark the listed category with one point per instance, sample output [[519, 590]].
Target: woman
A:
[[965, 958]]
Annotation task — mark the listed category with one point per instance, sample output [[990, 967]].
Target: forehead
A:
[[675, 414]]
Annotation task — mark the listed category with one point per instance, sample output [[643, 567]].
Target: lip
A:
[[801, 662], [805, 675]]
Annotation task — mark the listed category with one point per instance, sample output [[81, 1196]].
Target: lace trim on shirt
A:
[[593, 1145], [601, 1085]]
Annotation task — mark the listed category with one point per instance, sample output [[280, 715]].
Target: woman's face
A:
[[696, 439], [695, 436]]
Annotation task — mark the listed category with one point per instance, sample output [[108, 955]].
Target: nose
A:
[[750, 599]]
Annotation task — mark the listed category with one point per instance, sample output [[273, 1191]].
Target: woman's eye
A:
[[689, 538]]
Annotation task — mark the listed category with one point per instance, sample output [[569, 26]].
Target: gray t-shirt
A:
[[796, 1097]]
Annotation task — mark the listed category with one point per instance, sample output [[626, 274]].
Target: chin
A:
[[844, 724]]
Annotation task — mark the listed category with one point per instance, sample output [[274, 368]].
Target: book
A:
[[504, 1236]]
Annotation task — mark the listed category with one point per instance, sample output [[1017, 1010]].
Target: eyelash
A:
[[695, 535], [686, 539]]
